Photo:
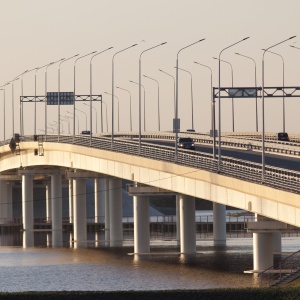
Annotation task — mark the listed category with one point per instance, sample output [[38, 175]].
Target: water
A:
[[107, 269]]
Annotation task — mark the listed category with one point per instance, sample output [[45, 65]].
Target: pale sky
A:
[[37, 32]]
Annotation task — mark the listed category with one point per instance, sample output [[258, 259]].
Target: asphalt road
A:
[[280, 161]]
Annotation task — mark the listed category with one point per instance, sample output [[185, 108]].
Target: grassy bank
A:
[[222, 294]]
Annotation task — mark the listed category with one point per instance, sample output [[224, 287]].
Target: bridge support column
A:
[[141, 224], [56, 210], [71, 201], [115, 211], [219, 226], [262, 251], [48, 202], [5, 201], [107, 211], [277, 242], [79, 217], [99, 199], [187, 224], [178, 220], [27, 210]]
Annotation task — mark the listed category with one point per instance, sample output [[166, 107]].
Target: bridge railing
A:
[[283, 179]]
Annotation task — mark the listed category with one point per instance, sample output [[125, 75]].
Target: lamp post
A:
[[12, 103], [46, 90], [176, 122], [219, 146], [213, 109], [113, 92], [106, 115], [74, 106], [144, 102], [95, 114], [130, 111], [118, 109], [192, 100], [283, 97], [158, 108], [174, 85], [36, 70], [255, 82], [66, 119], [85, 117], [21, 103], [91, 93], [4, 109], [232, 101], [140, 92], [74, 118], [263, 107], [58, 104]]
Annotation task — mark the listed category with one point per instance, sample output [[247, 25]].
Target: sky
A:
[[35, 33]]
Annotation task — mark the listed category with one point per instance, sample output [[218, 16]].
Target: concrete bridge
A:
[[153, 170]]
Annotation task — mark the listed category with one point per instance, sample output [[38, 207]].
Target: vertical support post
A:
[[56, 210], [79, 217], [9, 207], [99, 199], [141, 224], [187, 225], [71, 200], [48, 202], [107, 211], [27, 210], [116, 224], [277, 242], [2, 201], [178, 219], [219, 226], [262, 251]]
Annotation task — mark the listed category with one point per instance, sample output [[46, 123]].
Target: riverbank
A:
[[213, 294]]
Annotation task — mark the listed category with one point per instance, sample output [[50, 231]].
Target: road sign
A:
[[65, 98]]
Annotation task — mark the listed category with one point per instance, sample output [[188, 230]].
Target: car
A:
[[186, 143], [283, 136], [85, 132]]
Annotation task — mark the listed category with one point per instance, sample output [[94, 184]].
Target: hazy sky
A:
[[37, 32]]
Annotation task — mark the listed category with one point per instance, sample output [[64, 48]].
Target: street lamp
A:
[[91, 93], [72, 116], [174, 85], [283, 97], [95, 114], [192, 100], [58, 116], [74, 108], [130, 111], [118, 109], [113, 92], [255, 81], [21, 103], [213, 110], [12, 103], [140, 92], [85, 117], [144, 102], [263, 107], [176, 121], [4, 109], [232, 101], [106, 115], [35, 95], [158, 110], [46, 90], [219, 146]]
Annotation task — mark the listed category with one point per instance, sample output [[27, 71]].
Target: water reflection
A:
[[102, 268]]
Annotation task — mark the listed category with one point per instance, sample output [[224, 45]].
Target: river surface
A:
[[101, 268]]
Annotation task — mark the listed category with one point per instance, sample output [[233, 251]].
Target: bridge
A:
[[154, 169]]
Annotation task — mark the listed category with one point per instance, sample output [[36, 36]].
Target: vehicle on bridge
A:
[[283, 136], [186, 143]]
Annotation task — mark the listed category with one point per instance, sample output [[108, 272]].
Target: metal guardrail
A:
[[283, 179]]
